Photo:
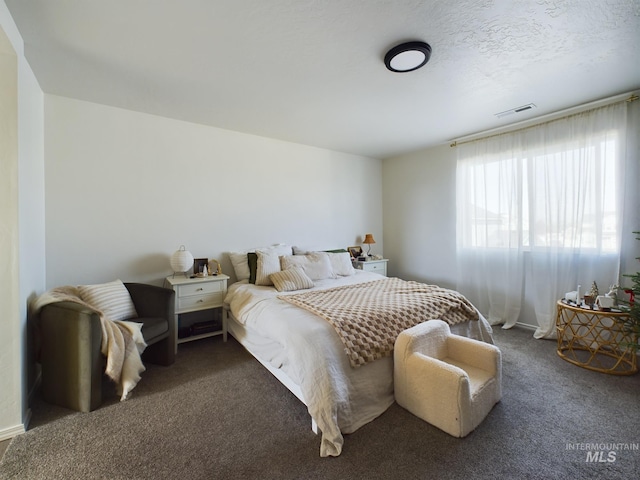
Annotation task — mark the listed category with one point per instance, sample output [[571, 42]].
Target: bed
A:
[[305, 352]]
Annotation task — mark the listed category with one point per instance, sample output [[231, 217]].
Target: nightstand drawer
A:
[[200, 288], [375, 267], [209, 300]]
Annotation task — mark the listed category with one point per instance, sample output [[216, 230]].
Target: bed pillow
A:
[[240, 263], [268, 262], [280, 249], [291, 280], [316, 265], [304, 251], [112, 299], [341, 263]]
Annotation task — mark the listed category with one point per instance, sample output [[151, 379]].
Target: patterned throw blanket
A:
[[368, 317]]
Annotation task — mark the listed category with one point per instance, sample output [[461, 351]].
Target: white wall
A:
[[420, 217], [124, 190], [22, 222], [31, 209]]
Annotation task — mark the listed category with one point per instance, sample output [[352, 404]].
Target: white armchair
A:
[[451, 382]]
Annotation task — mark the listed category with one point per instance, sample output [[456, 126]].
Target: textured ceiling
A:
[[312, 71]]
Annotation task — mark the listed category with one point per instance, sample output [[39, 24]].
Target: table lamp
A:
[[368, 240], [181, 261]]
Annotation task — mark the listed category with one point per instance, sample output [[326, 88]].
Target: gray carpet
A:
[[218, 414]]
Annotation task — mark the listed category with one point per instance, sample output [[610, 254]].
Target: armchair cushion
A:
[[155, 311]]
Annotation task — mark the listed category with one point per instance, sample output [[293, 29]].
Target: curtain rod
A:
[[514, 127]]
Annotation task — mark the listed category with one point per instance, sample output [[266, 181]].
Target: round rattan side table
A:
[[595, 339]]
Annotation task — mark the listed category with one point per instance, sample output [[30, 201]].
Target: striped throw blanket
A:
[[368, 317]]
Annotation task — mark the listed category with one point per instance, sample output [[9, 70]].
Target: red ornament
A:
[[632, 297]]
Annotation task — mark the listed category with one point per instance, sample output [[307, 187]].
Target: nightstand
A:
[[195, 295], [377, 266]]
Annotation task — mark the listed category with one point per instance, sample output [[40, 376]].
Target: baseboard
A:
[[527, 326], [9, 433]]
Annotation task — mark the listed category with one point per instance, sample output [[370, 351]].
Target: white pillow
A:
[[240, 261], [240, 264], [304, 250], [112, 299], [280, 249], [291, 280], [316, 265], [268, 263], [341, 263]]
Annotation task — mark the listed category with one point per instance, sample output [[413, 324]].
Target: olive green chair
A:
[[71, 335]]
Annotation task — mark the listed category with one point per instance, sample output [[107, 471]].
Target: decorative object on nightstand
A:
[[368, 240], [181, 261], [197, 295], [218, 270], [200, 267], [355, 252], [377, 266]]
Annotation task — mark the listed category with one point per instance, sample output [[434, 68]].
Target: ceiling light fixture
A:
[[408, 56]]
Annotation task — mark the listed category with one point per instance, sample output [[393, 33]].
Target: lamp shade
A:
[[181, 260], [368, 239]]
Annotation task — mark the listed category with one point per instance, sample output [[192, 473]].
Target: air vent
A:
[[523, 108]]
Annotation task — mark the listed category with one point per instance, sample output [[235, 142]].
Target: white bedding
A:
[[339, 398]]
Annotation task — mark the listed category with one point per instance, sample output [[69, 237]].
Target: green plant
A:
[[632, 307]]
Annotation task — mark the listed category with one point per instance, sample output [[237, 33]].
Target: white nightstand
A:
[[197, 294], [377, 266]]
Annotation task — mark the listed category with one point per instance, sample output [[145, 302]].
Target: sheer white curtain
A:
[[539, 211]]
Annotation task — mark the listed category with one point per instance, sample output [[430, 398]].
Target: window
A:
[[559, 196], [539, 211]]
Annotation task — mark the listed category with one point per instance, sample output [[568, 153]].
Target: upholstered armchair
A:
[[451, 382], [71, 335]]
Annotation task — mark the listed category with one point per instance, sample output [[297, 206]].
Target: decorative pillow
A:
[[252, 258], [111, 298], [316, 265], [268, 263], [341, 263], [240, 264], [291, 279]]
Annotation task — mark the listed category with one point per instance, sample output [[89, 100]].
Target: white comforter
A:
[[340, 398]]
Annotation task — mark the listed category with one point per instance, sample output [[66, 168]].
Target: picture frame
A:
[[355, 252], [199, 264]]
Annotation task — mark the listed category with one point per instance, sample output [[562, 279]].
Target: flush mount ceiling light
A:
[[407, 57]]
